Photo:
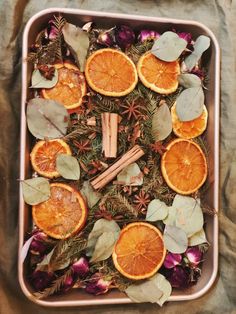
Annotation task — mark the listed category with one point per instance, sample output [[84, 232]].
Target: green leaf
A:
[[44, 264], [164, 285], [161, 123], [156, 210], [201, 44], [104, 246], [155, 290], [188, 80], [46, 118], [189, 104], [197, 238], [101, 226], [131, 175], [189, 216], [78, 40], [36, 190], [68, 167], [39, 81], [171, 217], [91, 196], [175, 239], [168, 47]]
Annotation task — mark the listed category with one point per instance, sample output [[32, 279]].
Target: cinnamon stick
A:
[[109, 134], [110, 173]]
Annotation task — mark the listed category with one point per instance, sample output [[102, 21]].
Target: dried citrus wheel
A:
[[184, 166], [70, 88], [44, 154], [110, 72], [189, 129], [63, 214], [160, 76], [139, 252]]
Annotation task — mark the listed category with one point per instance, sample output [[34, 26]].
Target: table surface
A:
[[218, 16]]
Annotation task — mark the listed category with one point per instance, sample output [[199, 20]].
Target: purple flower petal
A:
[[81, 267], [147, 34], [179, 277], [124, 36], [185, 36], [172, 260], [41, 279]]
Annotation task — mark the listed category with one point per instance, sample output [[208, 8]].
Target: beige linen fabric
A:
[[220, 17]]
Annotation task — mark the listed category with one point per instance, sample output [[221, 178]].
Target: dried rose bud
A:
[[147, 34], [194, 255], [51, 32], [41, 279], [178, 277], [172, 260], [198, 72], [68, 284], [37, 245], [186, 36], [81, 267], [97, 285], [106, 38], [124, 36]]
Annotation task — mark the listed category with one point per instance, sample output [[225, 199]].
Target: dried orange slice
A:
[[44, 154], [139, 252], [70, 88], [160, 76], [189, 129], [63, 214], [184, 166], [110, 72]]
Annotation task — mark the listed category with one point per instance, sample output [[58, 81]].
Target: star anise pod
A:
[[157, 147], [142, 200], [83, 146], [103, 213], [133, 109], [46, 71]]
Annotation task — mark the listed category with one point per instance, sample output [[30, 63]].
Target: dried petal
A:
[[147, 34], [172, 260]]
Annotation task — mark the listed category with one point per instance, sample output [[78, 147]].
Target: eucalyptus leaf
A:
[[201, 44], [91, 196], [157, 210], [36, 190], [157, 289], [197, 238], [101, 226], [44, 264], [175, 239], [171, 217], [39, 81], [131, 175], [146, 291], [25, 249], [168, 47], [161, 123], [104, 246], [188, 80], [189, 216], [189, 104], [164, 285], [68, 167], [46, 118], [78, 40]]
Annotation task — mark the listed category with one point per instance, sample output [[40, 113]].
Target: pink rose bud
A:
[[81, 267], [172, 260], [97, 285]]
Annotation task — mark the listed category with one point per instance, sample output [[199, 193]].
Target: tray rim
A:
[[23, 132]]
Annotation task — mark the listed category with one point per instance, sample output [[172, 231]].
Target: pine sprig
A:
[[55, 286], [66, 251]]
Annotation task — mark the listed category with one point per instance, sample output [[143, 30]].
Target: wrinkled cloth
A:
[[219, 16]]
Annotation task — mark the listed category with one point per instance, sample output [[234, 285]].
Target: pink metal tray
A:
[[212, 60]]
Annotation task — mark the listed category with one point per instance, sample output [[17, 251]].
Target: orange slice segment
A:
[[63, 214], [44, 154], [110, 72], [184, 166], [139, 252], [70, 88], [189, 129], [160, 76]]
